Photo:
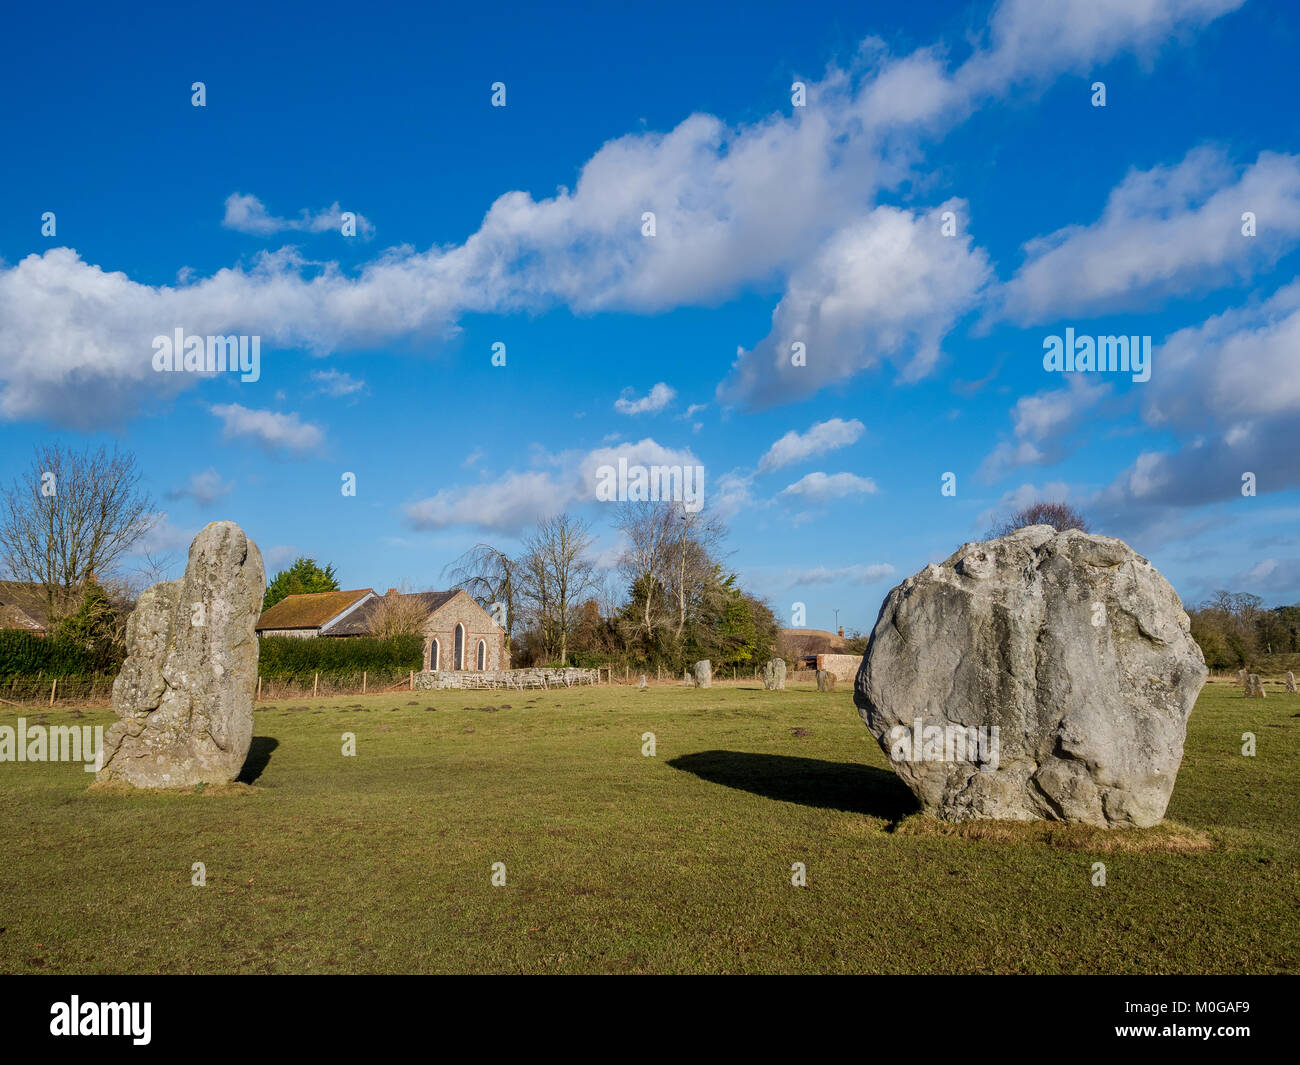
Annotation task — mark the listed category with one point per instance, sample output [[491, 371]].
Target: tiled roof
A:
[[799, 642], [358, 623], [309, 611], [23, 606]]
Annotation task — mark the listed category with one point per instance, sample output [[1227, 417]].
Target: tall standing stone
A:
[[1256, 689], [774, 675], [1042, 675], [1290, 681], [704, 674], [184, 695]]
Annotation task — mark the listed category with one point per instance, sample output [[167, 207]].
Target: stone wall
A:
[[441, 625], [445, 679], [843, 667]]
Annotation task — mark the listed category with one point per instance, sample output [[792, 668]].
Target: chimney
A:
[[391, 591], [841, 632]]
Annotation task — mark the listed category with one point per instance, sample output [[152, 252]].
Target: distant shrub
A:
[[287, 656], [26, 654]]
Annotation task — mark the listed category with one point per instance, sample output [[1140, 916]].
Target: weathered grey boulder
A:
[[1290, 681], [1255, 688], [1041, 675], [704, 674], [184, 695], [825, 680], [774, 675]]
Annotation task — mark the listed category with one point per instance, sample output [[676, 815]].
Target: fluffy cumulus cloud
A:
[[204, 488], [1041, 426], [795, 447], [655, 400], [823, 487], [889, 286], [1168, 231], [247, 214], [513, 501], [336, 383], [789, 199], [1229, 388], [271, 430]]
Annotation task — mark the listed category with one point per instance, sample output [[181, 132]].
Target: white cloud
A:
[[655, 400], [1164, 232], [515, 500], [204, 488], [786, 199], [336, 383], [889, 285], [247, 214], [822, 437], [822, 487], [856, 574], [1042, 423], [270, 429]]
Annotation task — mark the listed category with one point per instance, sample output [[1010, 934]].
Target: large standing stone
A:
[[1290, 681], [1042, 675], [825, 680], [1255, 689], [185, 692], [704, 674], [774, 675]]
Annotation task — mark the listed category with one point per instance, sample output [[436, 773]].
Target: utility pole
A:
[[837, 620]]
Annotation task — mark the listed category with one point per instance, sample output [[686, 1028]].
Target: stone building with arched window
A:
[[459, 635]]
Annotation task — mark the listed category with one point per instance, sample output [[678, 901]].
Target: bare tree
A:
[[649, 530], [487, 575], [696, 538], [557, 576], [70, 516], [1060, 516], [398, 613]]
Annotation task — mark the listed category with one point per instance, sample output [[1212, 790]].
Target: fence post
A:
[[53, 688], [363, 682], [412, 680], [259, 689], [315, 684]]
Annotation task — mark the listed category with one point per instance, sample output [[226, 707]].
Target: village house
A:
[[313, 614], [458, 633], [23, 606]]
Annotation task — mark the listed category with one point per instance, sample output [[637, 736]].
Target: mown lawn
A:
[[616, 862]]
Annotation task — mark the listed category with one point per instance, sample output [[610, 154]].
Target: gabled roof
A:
[[802, 642], [311, 610], [359, 622], [23, 606]]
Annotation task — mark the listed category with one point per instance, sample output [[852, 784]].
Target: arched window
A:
[[434, 649], [482, 655], [458, 649]]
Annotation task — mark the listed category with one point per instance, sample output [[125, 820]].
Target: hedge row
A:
[[287, 656], [26, 654]]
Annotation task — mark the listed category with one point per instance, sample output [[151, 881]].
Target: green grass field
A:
[[616, 862]]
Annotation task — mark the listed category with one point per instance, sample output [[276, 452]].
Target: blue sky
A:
[[775, 224]]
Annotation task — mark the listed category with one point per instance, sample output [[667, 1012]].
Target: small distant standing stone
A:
[[1290, 681], [1243, 678], [642, 685], [704, 674], [774, 675], [686, 679], [825, 680], [1256, 687]]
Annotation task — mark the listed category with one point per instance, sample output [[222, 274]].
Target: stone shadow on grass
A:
[[846, 786], [259, 754]]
